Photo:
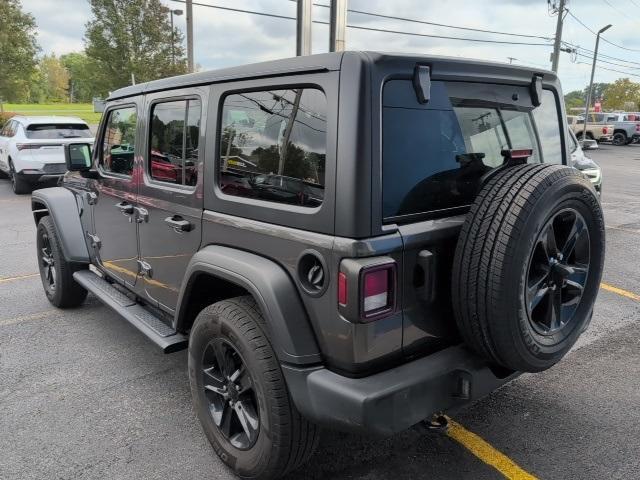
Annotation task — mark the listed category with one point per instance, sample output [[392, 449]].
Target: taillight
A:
[[377, 291], [605, 130], [27, 146], [637, 127]]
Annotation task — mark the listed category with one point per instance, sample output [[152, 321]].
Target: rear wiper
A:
[[71, 136]]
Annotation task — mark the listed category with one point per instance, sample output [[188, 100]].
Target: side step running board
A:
[[159, 332]]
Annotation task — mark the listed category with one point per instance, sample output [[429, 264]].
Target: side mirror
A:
[[77, 157]]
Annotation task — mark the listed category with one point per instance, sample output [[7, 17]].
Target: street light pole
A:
[[190, 35], [593, 70]]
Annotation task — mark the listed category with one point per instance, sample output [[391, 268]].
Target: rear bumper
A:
[[49, 171], [396, 399], [605, 138]]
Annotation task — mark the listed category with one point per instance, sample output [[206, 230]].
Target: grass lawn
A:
[[82, 110]]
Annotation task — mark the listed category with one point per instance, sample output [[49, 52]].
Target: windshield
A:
[[51, 131], [434, 155]]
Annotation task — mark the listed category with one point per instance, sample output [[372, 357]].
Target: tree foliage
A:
[[574, 99], [18, 49], [81, 76], [128, 37], [54, 79], [622, 94]]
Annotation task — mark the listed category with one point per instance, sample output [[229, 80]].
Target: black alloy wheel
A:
[[230, 393], [47, 262], [558, 271], [619, 139]]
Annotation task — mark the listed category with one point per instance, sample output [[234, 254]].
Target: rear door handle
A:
[[178, 223], [125, 207]]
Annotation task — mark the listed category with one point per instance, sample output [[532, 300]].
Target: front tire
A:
[[240, 394], [55, 272]]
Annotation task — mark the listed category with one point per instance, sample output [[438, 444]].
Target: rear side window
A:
[[435, 155], [175, 132], [53, 131], [119, 141], [273, 146]]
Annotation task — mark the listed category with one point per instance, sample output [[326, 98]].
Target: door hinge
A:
[[95, 241], [144, 269]]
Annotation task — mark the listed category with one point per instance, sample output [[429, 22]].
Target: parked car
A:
[[585, 164], [31, 148], [423, 240], [626, 128], [597, 132]]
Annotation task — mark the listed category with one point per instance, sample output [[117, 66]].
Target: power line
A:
[[607, 62], [602, 54], [372, 29], [424, 22], [601, 37], [613, 70], [414, 34], [614, 7]]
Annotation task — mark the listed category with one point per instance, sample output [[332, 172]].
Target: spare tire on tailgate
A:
[[528, 264]]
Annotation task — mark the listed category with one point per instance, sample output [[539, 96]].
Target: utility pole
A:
[[337, 25], [593, 69], [190, 34], [173, 36], [303, 28], [555, 58]]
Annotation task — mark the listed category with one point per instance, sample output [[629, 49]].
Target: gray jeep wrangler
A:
[[351, 240]]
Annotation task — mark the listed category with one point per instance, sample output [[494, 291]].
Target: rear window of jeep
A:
[[435, 154]]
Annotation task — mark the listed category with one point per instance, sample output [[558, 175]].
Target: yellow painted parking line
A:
[[18, 277], [620, 291], [26, 318], [487, 453]]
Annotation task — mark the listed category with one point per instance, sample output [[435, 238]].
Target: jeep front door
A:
[[170, 194], [115, 208]]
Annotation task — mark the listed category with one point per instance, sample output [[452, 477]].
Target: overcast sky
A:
[[224, 38]]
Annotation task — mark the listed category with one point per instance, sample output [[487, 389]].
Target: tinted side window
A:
[[273, 146], [546, 117], [175, 131], [118, 144]]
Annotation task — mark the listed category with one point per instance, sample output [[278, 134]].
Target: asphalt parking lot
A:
[[84, 395]]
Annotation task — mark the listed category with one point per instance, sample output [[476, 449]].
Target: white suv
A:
[[32, 148]]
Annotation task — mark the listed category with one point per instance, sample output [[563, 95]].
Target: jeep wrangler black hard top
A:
[[352, 240]]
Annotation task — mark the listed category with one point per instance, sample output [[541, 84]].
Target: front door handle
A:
[[179, 224], [125, 207]]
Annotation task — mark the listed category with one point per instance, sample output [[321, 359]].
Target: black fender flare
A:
[[60, 204], [289, 328]]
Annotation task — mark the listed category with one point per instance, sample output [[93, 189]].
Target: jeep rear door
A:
[[114, 209], [433, 158], [170, 192]]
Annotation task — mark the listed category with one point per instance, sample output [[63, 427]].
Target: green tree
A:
[[597, 91], [128, 37], [574, 99], [55, 79], [81, 70], [18, 49], [622, 93]]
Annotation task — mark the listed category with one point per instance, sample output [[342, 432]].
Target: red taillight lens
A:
[[378, 291], [27, 146], [342, 289], [605, 130], [637, 127]]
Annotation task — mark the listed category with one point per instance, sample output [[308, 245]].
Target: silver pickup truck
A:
[[626, 128]]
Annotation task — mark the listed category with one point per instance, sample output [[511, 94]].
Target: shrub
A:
[[5, 116]]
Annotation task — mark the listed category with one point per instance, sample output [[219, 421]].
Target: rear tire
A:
[[19, 185], [524, 281], [229, 337], [619, 139], [55, 272]]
